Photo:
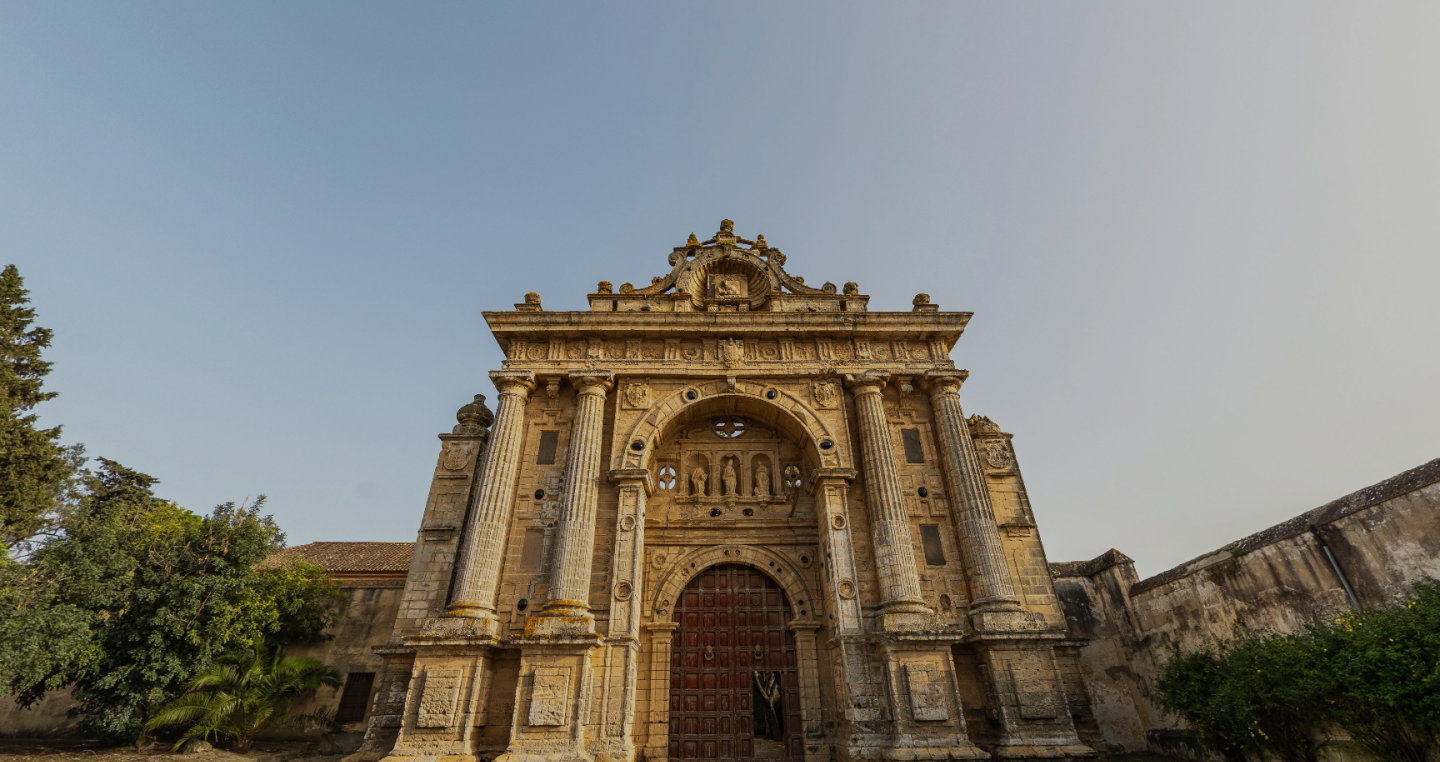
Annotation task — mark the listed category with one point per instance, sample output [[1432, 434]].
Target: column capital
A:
[[520, 382], [944, 381], [869, 382], [623, 476], [592, 381]]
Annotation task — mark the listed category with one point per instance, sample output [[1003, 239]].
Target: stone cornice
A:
[[910, 325]]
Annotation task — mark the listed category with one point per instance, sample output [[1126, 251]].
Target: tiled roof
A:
[[349, 557]]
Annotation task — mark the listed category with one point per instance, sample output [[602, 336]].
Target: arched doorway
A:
[[731, 649]]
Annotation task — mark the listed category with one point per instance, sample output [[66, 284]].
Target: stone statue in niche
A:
[[697, 482], [728, 476], [762, 481]]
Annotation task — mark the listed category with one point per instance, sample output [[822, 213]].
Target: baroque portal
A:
[[726, 515]]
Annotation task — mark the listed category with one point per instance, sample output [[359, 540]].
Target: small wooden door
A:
[[733, 621]]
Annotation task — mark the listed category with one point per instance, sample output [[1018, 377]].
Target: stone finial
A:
[[828, 288], [922, 304], [531, 303], [605, 287], [693, 241], [760, 243], [982, 426], [727, 226], [852, 289], [921, 299], [474, 418], [627, 288]]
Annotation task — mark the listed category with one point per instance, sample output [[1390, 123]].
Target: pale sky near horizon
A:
[[1201, 241]]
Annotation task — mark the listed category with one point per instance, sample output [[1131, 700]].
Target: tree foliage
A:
[[138, 594], [1375, 673], [244, 694], [35, 469]]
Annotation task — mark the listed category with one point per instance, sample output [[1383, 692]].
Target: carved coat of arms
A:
[[997, 455], [825, 393], [637, 395], [732, 352], [457, 454]]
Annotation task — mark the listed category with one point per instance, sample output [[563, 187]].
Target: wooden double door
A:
[[734, 685]]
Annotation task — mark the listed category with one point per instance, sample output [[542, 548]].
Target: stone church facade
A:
[[727, 515]]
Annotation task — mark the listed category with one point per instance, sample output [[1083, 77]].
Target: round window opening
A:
[[729, 427]]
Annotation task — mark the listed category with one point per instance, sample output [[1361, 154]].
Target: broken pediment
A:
[[727, 273]]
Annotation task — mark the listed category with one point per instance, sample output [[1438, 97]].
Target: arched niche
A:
[[783, 411]]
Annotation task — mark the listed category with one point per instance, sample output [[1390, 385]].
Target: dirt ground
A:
[[50, 751]]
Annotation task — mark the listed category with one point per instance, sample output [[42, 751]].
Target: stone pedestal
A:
[[1027, 702], [553, 700], [446, 698]]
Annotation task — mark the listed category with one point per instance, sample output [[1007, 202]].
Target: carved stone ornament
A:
[[826, 393], [474, 418], [623, 591], [997, 455], [847, 589], [637, 395], [732, 352], [457, 454]]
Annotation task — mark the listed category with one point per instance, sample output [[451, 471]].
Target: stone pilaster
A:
[[991, 586], [901, 603], [616, 736], [568, 607], [482, 551]]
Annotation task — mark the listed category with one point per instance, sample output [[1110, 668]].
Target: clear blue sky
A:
[[1200, 240]]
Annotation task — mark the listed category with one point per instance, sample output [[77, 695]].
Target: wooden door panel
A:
[[731, 620]]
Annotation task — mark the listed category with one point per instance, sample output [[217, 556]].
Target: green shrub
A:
[[1374, 673]]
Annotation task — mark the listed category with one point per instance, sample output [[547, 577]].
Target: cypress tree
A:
[[35, 470]]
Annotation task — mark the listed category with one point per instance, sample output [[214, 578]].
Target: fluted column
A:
[[991, 585], [478, 566], [575, 528], [889, 524]]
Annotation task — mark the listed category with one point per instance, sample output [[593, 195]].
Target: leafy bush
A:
[[244, 694], [1374, 673], [137, 595]]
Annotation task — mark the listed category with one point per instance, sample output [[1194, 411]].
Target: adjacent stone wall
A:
[[1384, 538]]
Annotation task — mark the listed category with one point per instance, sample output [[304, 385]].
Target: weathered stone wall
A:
[[1384, 539], [365, 623]]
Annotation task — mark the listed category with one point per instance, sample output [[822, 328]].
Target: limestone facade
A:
[[726, 515]]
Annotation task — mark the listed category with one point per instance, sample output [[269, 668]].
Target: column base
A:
[[905, 615], [462, 622], [561, 618]]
